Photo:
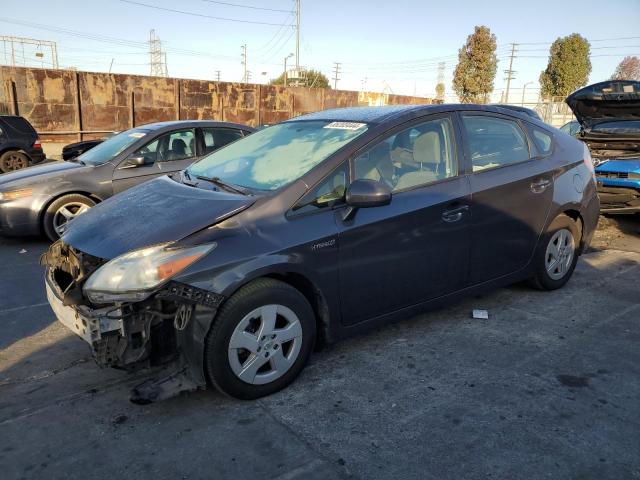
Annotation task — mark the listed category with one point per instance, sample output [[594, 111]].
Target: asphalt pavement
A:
[[547, 387]]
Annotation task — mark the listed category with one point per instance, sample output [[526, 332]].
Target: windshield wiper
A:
[[227, 186]]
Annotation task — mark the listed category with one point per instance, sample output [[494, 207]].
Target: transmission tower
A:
[[157, 58], [243, 55], [26, 52], [440, 81]]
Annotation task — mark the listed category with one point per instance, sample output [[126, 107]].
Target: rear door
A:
[[511, 190], [415, 248]]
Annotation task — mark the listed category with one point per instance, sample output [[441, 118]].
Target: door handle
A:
[[540, 185], [454, 214]]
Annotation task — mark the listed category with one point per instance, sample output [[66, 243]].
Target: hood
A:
[[39, 173], [620, 166], [613, 100], [158, 211]]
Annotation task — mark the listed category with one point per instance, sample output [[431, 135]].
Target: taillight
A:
[[588, 161], [37, 143]]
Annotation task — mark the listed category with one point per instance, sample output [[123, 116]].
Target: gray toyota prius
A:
[[316, 228]]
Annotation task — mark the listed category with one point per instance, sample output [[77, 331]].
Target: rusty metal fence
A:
[[66, 105]]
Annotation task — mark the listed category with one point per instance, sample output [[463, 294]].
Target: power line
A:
[[201, 15], [248, 6]]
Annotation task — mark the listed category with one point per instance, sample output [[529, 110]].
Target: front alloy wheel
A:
[[265, 344], [260, 340]]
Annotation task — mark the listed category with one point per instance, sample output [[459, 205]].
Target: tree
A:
[[313, 78], [440, 91], [627, 69], [568, 68], [476, 69]]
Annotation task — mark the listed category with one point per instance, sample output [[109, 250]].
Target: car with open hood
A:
[[609, 117], [314, 229], [45, 198]]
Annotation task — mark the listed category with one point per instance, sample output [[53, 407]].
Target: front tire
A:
[[260, 341], [62, 211], [557, 254]]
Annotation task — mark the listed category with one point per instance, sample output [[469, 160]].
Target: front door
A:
[[511, 189], [416, 248], [167, 153]]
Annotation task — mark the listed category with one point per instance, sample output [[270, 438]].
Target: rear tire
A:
[[557, 254], [260, 341], [63, 210], [13, 160]]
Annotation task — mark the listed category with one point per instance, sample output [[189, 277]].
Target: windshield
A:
[[621, 126], [105, 151], [277, 155]]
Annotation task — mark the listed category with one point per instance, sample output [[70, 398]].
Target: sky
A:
[[393, 46]]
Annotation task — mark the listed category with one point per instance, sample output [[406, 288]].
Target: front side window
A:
[[112, 147], [328, 192], [415, 156], [177, 146], [278, 155], [494, 142]]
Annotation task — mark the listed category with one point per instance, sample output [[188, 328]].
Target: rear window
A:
[[19, 124]]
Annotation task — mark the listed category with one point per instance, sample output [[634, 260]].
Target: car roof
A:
[[373, 115], [192, 123]]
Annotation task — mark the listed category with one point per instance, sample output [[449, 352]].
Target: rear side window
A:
[[494, 142], [19, 124], [541, 139], [215, 138]]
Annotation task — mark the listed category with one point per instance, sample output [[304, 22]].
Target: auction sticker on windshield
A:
[[136, 135], [345, 125]]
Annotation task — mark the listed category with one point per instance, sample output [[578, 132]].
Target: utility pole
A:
[[510, 72], [217, 75], [244, 62], [298, 35], [336, 71]]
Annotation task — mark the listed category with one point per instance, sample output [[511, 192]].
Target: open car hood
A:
[[606, 101], [158, 211]]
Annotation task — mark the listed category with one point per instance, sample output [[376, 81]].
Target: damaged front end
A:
[[165, 327]]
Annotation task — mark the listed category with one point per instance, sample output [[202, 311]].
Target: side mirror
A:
[[134, 162], [365, 193]]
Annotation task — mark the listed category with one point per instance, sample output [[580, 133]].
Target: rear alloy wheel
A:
[[13, 160], [62, 211], [260, 340], [558, 254]]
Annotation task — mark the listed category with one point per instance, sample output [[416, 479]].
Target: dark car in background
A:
[[609, 117], [73, 150], [20, 145], [316, 228], [46, 197]]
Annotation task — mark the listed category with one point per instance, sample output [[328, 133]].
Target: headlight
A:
[[15, 194], [133, 276]]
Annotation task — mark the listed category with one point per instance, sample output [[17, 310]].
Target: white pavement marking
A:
[[16, 309]]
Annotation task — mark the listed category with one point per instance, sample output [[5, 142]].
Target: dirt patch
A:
[[619, 232]]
